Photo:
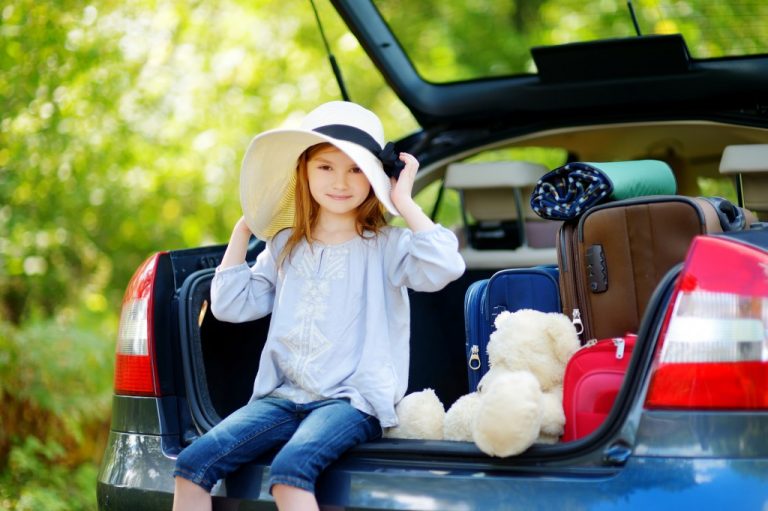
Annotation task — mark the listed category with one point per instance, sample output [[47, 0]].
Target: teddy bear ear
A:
[[561, 330], [502, 318]]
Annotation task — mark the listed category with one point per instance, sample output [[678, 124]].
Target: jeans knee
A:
[[284, 465], [185, 461], [187, 467]]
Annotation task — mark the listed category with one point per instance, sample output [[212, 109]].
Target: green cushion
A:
[[638, 178]]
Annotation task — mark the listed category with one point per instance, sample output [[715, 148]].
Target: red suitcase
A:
[[593, 377]]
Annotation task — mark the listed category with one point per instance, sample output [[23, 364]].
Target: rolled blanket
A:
[[732, 218], [566, 192]]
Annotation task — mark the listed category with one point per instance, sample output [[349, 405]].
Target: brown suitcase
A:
[[613, 256]]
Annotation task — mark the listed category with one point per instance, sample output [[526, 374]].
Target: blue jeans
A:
[[312, 436]]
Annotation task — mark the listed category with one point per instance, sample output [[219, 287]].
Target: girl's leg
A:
[[188, 496], [329, 429], [238, 439], [290, 498]]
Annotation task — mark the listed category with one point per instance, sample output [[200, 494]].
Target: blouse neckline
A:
[[366, 235]]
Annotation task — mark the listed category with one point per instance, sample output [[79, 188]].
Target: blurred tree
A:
[[124, 126], [122, 129], [466, 39], [124, 122]]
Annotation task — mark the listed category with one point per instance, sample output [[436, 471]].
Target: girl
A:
[[335, 362]]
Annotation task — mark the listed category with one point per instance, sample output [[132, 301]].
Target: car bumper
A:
[[137, 474]]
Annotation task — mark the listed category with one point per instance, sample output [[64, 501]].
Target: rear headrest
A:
[[741, 159], [507, 174], [751, 163], [495, 190]]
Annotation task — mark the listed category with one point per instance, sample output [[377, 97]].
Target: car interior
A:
[[692, 149], [486, 203]]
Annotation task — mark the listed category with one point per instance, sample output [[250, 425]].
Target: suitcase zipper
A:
[[619, 343], [567, 264], [474, 357], [574, 301], [584, 319], [576, 321], [580, 280]]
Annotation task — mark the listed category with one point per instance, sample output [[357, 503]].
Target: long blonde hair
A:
[[370, 214]]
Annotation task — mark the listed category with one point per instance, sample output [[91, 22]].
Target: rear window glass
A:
[[444, 204], [468, 39]]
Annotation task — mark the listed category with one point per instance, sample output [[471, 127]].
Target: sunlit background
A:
[[122, 127]]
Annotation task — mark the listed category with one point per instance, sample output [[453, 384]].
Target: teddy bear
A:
[[421, 416], [518, 401]]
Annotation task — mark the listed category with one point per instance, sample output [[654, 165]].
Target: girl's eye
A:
[[324, 167], [356, 170]]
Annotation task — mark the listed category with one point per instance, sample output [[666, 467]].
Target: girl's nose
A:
[[340, 180]]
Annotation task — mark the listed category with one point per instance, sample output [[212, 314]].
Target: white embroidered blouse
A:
[[340, 323]]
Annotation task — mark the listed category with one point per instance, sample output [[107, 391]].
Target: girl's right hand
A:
[[402, 187], [238, 245], [242, 227]]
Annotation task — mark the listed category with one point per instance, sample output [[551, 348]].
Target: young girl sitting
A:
[[334, 277]]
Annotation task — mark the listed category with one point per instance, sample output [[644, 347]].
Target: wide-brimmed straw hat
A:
[[268, 173]]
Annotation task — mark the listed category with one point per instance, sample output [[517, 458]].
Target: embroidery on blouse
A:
[[305, 341]]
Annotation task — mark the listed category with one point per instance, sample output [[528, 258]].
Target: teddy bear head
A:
[[530, 340]]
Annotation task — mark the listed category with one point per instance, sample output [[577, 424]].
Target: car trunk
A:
[[220, 359], [220, 362]]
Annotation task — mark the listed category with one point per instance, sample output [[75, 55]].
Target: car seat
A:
[[500, 228], [749, 165]]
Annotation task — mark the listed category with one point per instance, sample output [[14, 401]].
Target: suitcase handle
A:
[[597, 273]]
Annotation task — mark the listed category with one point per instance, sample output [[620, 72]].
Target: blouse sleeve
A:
[[240, 293], [423, 261]]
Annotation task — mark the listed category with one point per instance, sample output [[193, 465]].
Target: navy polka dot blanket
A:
[[568, 191]]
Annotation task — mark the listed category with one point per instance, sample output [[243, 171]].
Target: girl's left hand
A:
[[403, 186]]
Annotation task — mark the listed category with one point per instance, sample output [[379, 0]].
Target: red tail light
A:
[[135, 369], [713, 351]]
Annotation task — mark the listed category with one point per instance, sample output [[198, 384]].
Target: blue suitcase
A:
[[507, 290]]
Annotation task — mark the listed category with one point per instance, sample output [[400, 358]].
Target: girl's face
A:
[[336, 182]]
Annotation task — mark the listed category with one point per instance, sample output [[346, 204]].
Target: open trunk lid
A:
[[653, 76]]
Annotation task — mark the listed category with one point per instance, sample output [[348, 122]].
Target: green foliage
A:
[[466, 39], [125, 124], [68, 352], [718, 187], [55, 394], [122, 130], [34, 480]]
